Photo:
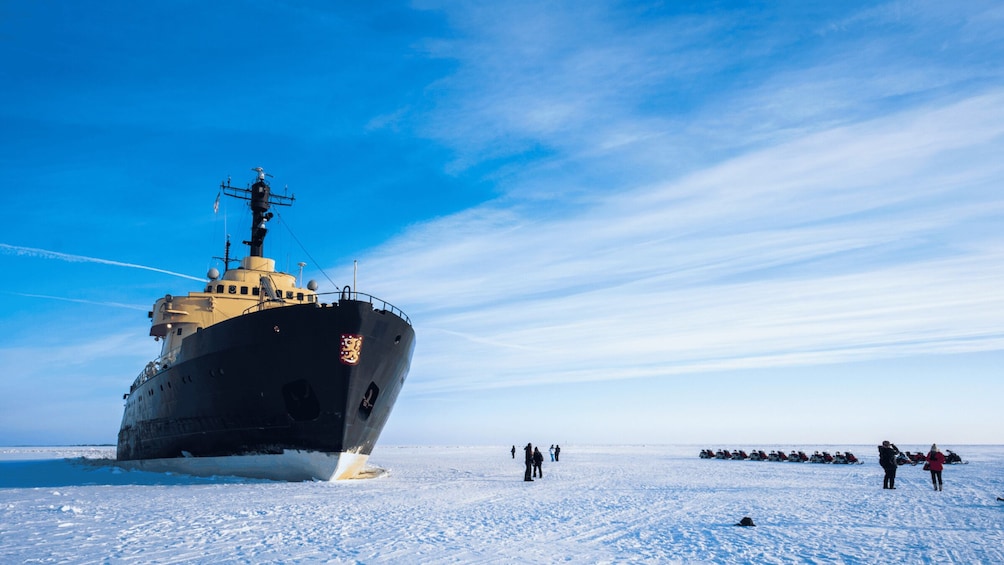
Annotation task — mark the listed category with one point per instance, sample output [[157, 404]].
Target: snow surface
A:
[[599, 504]]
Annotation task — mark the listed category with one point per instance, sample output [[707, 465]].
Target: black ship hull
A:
[[275, 394]]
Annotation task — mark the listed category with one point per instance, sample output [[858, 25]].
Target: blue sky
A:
[[715, 223]]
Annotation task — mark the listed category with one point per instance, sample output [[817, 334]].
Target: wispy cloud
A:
[[864, 241]]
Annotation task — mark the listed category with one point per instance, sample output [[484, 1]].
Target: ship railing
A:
[[346, 294], [161, 363], [268, 303]]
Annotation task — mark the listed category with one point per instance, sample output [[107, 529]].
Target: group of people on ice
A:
[[535, 460], [795, 456], [890, 457]]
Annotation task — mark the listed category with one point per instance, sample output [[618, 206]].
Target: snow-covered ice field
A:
[[599, 504]]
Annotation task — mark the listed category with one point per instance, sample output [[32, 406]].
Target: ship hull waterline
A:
[[270, 394], [291, 465]]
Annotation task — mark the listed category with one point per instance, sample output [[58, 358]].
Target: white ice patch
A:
[[599, 504]]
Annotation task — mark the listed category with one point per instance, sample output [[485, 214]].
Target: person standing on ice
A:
[[551, 452], [514, 452], [935, 463], [538, 460], [887, 458], [557, 452], [529, 462]]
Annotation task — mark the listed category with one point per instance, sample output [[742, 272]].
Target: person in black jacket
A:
[[529, 462], [538, 460], [514, 452], [887, 458]]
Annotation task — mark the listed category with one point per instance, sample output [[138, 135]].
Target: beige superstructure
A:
[[252, 286]]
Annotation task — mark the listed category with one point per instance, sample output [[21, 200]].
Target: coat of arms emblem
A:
[[352, 346]]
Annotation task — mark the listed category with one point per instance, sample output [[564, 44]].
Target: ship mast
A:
[[261, 198]]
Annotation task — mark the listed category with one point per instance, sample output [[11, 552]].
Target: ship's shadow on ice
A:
[[88, 471], [84, 471]]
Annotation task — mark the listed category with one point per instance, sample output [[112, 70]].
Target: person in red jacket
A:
[[935, 463]]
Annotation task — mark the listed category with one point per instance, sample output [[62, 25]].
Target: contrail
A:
[[79, 301], [46, 254]]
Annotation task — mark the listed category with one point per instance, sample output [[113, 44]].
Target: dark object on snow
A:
[[999, 499], [888, 453], [529, 462], [746, 521]]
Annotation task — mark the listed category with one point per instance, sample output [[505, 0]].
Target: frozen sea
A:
[[599, 504]]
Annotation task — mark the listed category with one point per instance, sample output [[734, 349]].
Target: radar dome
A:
[[213, 274], [312, 284]]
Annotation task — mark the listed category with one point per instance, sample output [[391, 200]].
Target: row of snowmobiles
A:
[[839, 458], [907, 458]]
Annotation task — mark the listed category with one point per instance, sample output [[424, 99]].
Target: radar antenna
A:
[[260, 197]]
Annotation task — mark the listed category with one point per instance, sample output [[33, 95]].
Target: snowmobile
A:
[[952, 458], [823, 457], [845, 459], [799, 457]]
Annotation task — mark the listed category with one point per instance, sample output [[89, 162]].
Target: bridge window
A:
[[254, 291], [179, 331], [299, 296], [232, 289], [289, 294], [219, 289], [244, 290]]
